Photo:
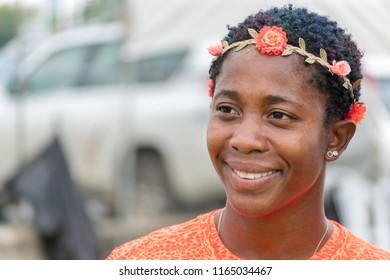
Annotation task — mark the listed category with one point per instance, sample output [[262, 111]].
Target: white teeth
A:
[[251, 176]]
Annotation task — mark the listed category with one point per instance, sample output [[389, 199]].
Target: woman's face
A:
[[266, 135]]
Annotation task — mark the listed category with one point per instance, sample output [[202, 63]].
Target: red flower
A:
[[215, 49], [210, 86], [340, 68], [357, 112], [271, 40]]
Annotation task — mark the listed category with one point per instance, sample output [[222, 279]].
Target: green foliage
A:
[[310, 60], [302, 44], [252, 32], [288, 51], [10, 20], [7, 24], [102, 10], [323, 55]]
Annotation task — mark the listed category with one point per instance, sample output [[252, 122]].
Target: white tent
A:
[[171, 20]]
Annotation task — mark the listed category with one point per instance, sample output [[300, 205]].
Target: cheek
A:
[[218, 137], [214, 139], [306, 152]]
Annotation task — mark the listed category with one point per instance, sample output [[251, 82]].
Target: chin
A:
[[251, 211]]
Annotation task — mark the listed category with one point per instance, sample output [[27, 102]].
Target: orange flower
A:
[[340, 68], [357, 112], [215, 49], [210, 86], [271, 40]]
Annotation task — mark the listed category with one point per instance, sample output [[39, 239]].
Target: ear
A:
[[341, 132]]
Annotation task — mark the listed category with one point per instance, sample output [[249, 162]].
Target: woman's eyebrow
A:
[[269, 99], [275, 99], [227, 93]]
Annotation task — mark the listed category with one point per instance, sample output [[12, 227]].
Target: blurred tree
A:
[[102, 10], [7, 24], [11, 17]]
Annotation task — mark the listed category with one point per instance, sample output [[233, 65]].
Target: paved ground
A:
[[20, 241]]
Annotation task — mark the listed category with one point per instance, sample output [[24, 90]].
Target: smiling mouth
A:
[[253, 176]]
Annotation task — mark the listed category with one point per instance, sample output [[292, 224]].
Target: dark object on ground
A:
[[66, 231]]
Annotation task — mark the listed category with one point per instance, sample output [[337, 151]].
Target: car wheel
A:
[[151, 193]]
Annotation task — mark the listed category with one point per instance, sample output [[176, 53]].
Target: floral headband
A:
[[273, 41]]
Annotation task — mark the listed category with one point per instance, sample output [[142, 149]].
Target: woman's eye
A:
[[226, 109], [280, 116]]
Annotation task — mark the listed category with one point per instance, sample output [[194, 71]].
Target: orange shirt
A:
[[198, 239]]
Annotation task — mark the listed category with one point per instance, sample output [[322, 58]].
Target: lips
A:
[[252, 176]]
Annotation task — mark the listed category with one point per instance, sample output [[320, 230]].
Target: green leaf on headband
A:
[[346, 85], [356, 84], [252, 32], [241, 46], [310, 60], [287, 51], [302, 44], [225, 44], [323, 55]]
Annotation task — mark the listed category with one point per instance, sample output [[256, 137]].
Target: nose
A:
[[249, 136]]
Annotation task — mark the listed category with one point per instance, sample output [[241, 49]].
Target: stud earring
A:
[[331, 154]]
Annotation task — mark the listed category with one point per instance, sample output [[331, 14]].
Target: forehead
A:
[[251, 72], [249, 64]]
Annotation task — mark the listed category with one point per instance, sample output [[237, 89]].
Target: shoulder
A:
[[180, 241], [345, 245]]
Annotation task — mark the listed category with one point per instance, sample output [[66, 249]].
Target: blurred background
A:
[[103, 116]]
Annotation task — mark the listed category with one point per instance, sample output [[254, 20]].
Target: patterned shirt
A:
[[198, 239]]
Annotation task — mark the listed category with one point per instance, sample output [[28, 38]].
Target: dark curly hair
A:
[[318, 32]]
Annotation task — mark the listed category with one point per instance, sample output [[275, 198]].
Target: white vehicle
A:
[[133, 128]]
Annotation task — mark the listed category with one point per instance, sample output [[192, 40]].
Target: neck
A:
[[293, 232]]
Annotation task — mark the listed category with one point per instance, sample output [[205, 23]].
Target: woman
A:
[[285, 101]]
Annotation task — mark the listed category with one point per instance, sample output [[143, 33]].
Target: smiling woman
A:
[[271, 127], [280, 112]]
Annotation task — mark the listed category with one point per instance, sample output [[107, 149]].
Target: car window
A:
[[102, 65], [385, 91], [157, 68], [61, 70]]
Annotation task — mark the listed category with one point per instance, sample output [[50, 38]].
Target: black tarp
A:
[[66, 231]]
